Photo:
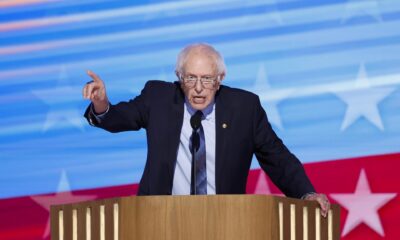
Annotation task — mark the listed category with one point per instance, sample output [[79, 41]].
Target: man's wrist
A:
[[101, 114], [305, 196], [94, 118]]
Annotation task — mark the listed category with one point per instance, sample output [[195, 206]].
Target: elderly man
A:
[[232, 127]]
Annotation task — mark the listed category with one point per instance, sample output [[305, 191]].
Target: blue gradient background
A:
[[295, 54]]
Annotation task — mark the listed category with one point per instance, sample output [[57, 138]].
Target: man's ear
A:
[[222, 77]]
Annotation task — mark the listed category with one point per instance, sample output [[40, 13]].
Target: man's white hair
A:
[[204, 47]]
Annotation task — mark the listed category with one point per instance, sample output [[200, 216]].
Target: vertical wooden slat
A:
[[61, 224], [286, 220], [82, 222], [311, 222], [330, 225], [74, 224], [280, 212], [54, 222], [317, 224], [292, 221], [116, 220], [88, 226], [102, 222], [305, 223], [67, 222]]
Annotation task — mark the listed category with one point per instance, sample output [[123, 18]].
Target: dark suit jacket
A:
[[159, 109]]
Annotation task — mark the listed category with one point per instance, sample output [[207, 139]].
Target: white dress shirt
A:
[[183, 167]]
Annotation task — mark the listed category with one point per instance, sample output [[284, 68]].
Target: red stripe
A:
[[24, 232], [22, 218]]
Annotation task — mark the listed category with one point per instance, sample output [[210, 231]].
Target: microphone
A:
[[195, 122]]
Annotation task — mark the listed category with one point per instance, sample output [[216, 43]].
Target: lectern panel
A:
[[217, 217]]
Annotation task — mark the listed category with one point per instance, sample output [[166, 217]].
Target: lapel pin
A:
[[224, 125]]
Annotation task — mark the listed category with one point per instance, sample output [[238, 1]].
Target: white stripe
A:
[[163, 58], [215, 27], [193, 6], [349, 85]]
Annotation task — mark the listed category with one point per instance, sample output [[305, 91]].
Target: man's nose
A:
[[198, 87]]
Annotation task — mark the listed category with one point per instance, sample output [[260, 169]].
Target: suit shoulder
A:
[[159, 84], [160, 87]]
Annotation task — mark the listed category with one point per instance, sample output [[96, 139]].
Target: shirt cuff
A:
[[101, 116]]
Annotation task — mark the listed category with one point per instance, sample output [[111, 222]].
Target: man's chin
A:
[[198, 106]]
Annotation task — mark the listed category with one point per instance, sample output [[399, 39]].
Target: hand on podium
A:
[[321, 199]]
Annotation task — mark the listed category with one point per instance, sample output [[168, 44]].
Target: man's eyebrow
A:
[[205, 75]]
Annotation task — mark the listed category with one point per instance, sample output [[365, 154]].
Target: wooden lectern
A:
[[203, 217]]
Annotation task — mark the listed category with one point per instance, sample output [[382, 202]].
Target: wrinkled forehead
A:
[[200, 61], [203, 51]]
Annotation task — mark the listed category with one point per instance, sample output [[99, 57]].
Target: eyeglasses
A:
[[206, 81]]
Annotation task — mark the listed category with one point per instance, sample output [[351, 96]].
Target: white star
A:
[[363, 206], [270, 97], [362, 101], [362, 7], [63, 93], [63, 196], [262, 186]]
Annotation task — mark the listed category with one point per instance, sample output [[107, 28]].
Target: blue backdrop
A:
[[327, 72]]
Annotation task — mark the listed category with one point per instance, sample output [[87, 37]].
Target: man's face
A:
[[199, 65]]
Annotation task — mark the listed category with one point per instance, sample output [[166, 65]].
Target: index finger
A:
[[93, 76]]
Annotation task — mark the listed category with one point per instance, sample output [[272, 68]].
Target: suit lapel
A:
[[175, 126], [222, 128]]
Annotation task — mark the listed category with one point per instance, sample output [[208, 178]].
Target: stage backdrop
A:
[[327, 73]]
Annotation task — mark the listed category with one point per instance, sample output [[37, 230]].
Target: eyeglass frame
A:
[[202, 79]]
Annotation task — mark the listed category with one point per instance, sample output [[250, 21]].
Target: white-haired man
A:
[[233, 127]]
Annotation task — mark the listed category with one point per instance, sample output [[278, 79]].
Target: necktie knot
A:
[[195, 120]]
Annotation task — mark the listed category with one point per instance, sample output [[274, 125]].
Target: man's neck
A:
[[205, 111]]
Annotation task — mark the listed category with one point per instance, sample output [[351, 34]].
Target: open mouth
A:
[[199, 99]]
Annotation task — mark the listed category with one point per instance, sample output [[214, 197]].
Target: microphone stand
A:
[[194, 167], [195, 122]]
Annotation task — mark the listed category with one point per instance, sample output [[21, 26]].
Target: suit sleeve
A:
[[284, 169], [124, 116]]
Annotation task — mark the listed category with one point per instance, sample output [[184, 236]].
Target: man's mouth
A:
[[198, 99]]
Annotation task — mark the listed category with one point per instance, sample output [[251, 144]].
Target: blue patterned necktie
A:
[[201, 170]]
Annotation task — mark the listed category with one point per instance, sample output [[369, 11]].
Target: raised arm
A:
[[124, 116]]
